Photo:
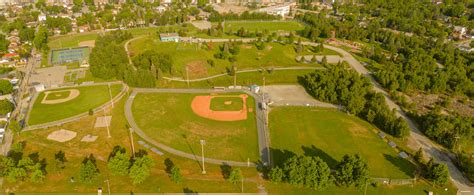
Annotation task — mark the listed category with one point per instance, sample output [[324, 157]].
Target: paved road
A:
[[417, 139], [126, 47], [262, 131]]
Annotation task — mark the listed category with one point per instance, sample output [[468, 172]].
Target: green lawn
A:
[[243, 79], [58, 180], [227, 103], [90, 97], [169, 119], [58, 95], [263, 25], [331, 134], [195, 57]]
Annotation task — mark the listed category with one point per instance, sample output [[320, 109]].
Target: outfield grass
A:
[[227, 103], [263, 25], [58, 180], [90, 97], [169, 119], [420, 188], [58, 95], [331, 134]]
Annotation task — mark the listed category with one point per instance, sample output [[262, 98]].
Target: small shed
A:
[[169, 37], [381, 135], [392, 144], [403, 155], [254, 88]]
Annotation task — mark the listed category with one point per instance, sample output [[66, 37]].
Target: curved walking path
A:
[[242, 71], [415, 141], [263, 145]]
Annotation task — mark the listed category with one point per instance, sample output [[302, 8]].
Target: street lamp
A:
[[203, 142]]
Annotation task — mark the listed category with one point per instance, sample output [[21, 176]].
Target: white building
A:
[[281, 10], [41, 17]]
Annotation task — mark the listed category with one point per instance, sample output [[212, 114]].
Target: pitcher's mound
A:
[[62, 135]]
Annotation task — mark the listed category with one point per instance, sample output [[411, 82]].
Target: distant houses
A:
[[169, 37]]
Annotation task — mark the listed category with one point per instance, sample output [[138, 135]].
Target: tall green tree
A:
[[140, 169], [88, 171], [235, 176], [119, 162], [352, 170]]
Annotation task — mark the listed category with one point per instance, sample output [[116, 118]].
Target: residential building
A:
[[169, 37]]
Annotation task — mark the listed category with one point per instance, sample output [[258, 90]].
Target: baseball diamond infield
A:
[[201, 105], [56, 97]]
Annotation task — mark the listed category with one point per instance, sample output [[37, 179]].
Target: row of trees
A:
[[410, 61], [314, 173], [217, 17], [17, 167], [340, 85]]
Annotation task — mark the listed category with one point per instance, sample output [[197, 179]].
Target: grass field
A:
[[58, 95], [243, 79], [227, 103], [58, 180], [169, 119], [264, 25], [331, 134], [195, 57], [90, 97]]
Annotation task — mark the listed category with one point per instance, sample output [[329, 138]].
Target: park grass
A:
[[219, 103], [90, 97], [243, 79], [57, 180], [330, 134], [169, 119], [195, 57], [58, 95], [421, 187], [288, 26]]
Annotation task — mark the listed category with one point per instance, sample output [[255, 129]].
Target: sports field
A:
[[226, 103], [57, 95], [68, 55], [195, 57], [169, 119], [90, 97], [330, 134], [264, 25]]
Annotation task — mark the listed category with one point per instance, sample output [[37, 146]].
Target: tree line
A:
[[246, 15], [340, 85]]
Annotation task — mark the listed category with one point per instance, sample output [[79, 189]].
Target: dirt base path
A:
[[201, 105], [73, 94]]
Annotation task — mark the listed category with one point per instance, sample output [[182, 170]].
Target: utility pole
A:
[[110, 94], [187, 76], [131, 139], [235, 76], [203, 142], [242, 183], [107, 124], [108, 185]]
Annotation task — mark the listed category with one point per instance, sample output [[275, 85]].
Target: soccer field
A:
[[330, 134]]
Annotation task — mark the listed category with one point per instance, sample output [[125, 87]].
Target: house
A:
[[459, 32], [169, 37], [160, 9], [41, 17]]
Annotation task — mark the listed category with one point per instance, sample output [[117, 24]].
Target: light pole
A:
[[203, 142], [108, 185], [110, 94], [131, 139]]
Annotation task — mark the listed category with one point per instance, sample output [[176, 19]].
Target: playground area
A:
[[68, 55]]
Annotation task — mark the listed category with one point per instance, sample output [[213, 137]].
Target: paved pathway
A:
[[242, 71], [262, 131]]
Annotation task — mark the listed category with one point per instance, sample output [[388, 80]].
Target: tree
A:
[[88, 171], [437, 173], [14, 126], [60, 159], [352, 170], [41, 38], [309, 171], [140, 169], [5, 87], [119, 162], [276, 175], [235, 175], [176, 174], [5, 107], [418, 155]]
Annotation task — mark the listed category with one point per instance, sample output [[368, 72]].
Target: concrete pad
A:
[[62, 135], [89, 138], [102, 121]]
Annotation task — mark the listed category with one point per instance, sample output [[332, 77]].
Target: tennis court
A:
[[67, 55]]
